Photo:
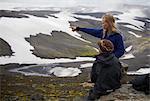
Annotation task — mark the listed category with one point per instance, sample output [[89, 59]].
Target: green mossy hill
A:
[[60, 45]]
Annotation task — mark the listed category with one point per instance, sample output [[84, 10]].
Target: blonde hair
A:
[[111, 21]]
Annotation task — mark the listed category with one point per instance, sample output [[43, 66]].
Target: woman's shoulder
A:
[[118, 34]]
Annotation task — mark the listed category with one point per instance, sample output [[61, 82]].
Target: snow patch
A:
[[128, 49], [132, 27], [86, 65], [87, 17], [65, 72], [14, 30], [141, 71], [46, 71], [148, 20], [20, 70], [127, 56], [138, 36], [129, 17]]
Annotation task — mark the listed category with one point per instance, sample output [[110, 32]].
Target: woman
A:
[[108, 31], [106, 73]]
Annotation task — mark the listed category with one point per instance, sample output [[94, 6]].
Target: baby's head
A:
[[105, 46]]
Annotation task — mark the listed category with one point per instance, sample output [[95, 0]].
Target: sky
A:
[[78, 2]]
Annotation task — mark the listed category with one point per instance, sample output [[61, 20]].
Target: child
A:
[[106, 71]]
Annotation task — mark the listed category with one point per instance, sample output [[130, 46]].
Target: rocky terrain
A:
[[5, 49], [23, 13], [17, 87], [53, 45], [59, 43]]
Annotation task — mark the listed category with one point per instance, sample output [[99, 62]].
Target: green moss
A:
[[145, 38], [88, 51], [72, 52], [24, 88], [63, 90], [75, 93]]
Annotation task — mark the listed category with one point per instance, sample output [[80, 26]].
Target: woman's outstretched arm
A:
[[92, 31]]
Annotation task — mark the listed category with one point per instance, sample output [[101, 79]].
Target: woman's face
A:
[[105, 24]]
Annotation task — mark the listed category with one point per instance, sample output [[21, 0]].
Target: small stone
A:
[[37, 97], [34, 85]]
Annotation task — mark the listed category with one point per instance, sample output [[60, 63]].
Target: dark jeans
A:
[[92, 96], [95, 96]]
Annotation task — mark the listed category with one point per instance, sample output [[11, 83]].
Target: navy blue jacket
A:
[[115, 38]]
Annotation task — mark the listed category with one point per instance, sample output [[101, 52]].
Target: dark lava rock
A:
[[5, 48]]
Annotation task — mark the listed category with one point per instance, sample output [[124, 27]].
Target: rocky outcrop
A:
[[25, 13], [59, 45], [5, 48], [125, 93]]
